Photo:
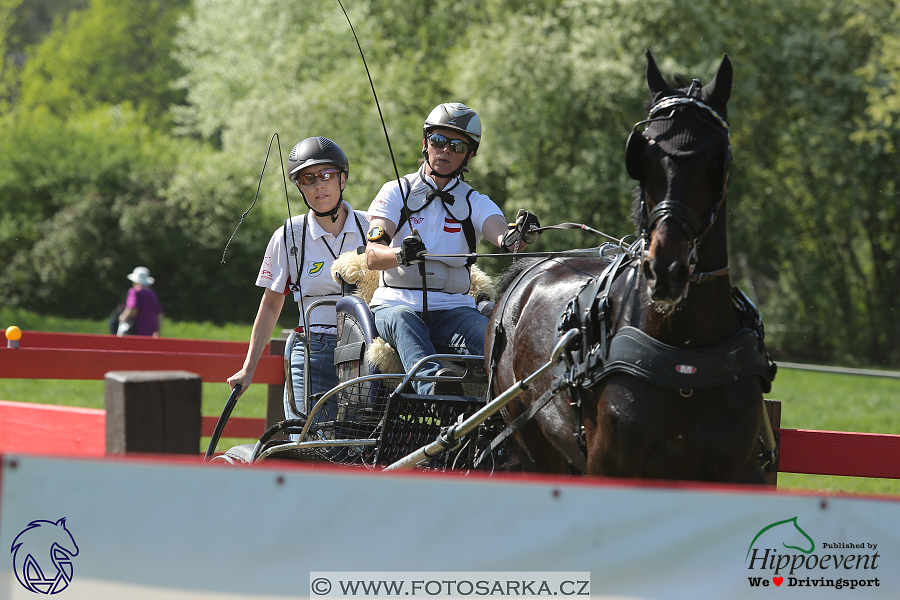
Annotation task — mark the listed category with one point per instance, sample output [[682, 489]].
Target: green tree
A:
[[115, 195], [113, 52]]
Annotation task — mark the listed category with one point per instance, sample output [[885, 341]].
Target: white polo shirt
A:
[[278, 270], [440, 232]]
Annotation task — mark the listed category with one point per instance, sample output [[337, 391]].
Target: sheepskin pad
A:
[[351, 267]]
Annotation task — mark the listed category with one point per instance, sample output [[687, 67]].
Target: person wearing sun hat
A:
[[142, 306]]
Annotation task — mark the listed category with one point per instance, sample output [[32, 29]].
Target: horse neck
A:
[[706, 316]]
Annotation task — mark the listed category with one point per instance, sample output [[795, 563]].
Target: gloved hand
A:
[[523, 229], [411, 250]]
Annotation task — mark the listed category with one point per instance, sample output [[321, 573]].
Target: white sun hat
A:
[[141, 275]]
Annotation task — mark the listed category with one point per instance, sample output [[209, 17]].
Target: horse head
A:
[[681, 162]]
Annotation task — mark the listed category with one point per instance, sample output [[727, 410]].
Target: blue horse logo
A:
[[42, 556], [787, 534]]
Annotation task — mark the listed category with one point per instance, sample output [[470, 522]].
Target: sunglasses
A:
[[439, 141], [324, 175]]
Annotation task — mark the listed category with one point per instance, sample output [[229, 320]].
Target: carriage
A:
[[620, 371], [376, 419]]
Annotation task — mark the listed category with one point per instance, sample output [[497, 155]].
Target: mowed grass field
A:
[[810, 400]]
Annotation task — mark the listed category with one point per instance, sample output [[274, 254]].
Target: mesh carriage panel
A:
[[413, 421], [356, 411]]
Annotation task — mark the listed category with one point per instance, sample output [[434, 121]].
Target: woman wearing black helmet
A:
[[450, 217], [307, 244]]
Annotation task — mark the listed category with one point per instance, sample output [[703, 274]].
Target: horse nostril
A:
[[647, 268], [679, 273]]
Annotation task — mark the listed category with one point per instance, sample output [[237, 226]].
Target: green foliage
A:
[[31, 21], [813, 205], [113, 52], [79, 216]]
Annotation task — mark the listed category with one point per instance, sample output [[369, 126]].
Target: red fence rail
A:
[[28, 427], [44, 355]]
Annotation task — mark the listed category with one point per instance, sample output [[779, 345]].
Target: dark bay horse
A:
[[667, 378]]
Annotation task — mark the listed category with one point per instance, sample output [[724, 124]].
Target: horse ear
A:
[[655, 81], [718, 91], [634, 153]]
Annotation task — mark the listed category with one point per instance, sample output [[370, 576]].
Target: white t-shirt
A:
[[321, 249], [440, 232]]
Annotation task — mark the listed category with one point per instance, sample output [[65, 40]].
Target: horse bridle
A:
[[695, 226]]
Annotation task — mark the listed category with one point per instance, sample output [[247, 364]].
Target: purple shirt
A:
[[147, 305]]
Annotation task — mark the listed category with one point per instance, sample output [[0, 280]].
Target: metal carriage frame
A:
[[376, 420]]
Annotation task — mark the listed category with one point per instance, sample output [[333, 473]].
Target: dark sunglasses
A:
[[324, 175], [439, 141]]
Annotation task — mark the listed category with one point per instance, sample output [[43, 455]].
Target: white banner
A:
[[447, 584], [106, 528]]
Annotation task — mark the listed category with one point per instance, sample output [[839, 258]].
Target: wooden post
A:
[[773, 407], [153, 411]]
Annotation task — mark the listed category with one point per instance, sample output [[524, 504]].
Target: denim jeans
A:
[[322, 374], [456, 331]]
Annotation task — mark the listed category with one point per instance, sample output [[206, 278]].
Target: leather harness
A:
[[600, 354]]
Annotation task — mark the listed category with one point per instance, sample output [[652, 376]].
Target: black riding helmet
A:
[[457, 117], [318, 151]]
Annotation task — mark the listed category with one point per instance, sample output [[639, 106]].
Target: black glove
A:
[[411, 250], [523, 229]]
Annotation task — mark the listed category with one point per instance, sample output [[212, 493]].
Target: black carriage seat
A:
[[360, 406], [356, 332]]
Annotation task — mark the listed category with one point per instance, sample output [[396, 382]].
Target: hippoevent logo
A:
[[784, 554], [42, 556]]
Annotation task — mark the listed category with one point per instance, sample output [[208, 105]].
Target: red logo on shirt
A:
[[451, 225], [264, 272], [417, 220]]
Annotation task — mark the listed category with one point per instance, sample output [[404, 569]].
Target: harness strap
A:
[[708, 276], [546, 397], [499, 342]]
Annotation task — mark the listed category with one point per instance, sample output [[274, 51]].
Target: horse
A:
[[667, 378]]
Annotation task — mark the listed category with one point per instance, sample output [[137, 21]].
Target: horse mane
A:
[[508, 276], [636, 215]]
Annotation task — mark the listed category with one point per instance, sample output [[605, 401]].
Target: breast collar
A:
[[629, 350]]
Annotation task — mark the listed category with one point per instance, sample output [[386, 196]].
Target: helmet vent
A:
[[325, 144]]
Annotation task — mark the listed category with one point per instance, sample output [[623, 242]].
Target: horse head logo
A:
[[42, 556], [787, 534]]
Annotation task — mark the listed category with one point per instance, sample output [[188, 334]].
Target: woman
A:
[[307, 244], [142, 313]]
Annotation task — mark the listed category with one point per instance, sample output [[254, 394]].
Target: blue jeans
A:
[[322, 374], [456, 331]]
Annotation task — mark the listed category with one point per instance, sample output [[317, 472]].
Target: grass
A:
[[837, 402], [810, 400]]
